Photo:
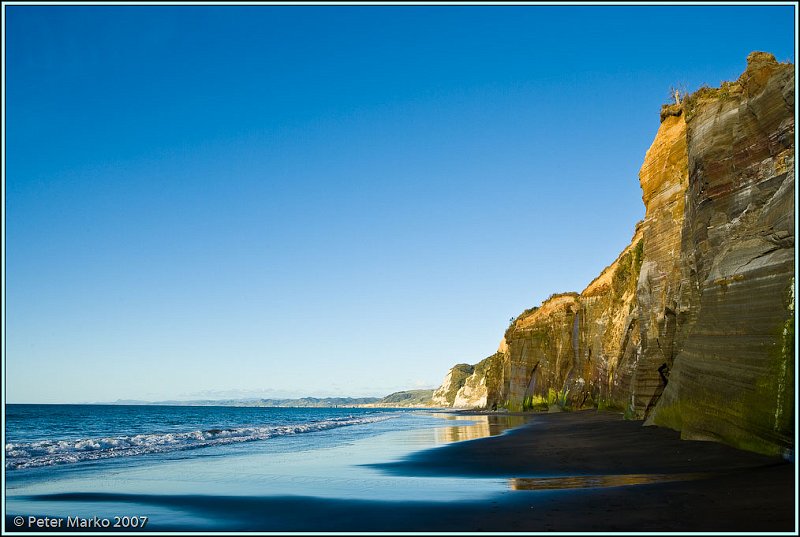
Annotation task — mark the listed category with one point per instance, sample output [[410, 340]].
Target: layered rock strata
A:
[[732, 377], [692, 326]]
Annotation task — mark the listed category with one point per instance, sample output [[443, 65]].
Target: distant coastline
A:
[[402, 399]]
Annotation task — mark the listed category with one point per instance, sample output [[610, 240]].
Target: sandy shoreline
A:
[[571, 472], [581, 471]]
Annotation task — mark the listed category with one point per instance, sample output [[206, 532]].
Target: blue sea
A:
[[115, 460], [53, 435]]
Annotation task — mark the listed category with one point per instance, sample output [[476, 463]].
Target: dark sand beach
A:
[[594, 471], [580, 471]]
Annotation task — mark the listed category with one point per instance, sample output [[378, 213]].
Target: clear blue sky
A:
[[236, 201]]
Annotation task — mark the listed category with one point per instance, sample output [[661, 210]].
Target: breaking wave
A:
[[21, 455]]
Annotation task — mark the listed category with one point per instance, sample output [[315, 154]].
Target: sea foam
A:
[[21, 455]]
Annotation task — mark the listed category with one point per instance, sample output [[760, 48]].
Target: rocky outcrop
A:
[[477, 386], [480, 388], [691, 327], [445, 394]]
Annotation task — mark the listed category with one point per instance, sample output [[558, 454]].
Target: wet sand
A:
[[581, 471], [594, 471]]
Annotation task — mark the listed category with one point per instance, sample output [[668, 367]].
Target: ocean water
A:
[[51, 435], [114, 460]]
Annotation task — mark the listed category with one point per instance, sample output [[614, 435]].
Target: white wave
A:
[[21, 455]]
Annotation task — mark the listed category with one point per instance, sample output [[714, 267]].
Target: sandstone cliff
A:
[[691, 327], [446, 393], [732, 377]]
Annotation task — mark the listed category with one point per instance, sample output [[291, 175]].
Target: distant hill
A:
[[408, 398], [325, 402]]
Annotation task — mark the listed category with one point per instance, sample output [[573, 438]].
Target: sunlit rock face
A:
[[732, 377], [541, 350], [577, 350], [692, 326], [445, 394], [663, 178], [484, 387], [609, 342]]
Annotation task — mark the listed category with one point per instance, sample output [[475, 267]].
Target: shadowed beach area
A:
[[580, 471]]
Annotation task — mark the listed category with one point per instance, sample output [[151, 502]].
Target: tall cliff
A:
[[732, 378], [691, 327]]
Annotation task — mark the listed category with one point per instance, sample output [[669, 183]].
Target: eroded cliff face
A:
[[691, 327], [542, 352], [663, 178], [733, 378], [446, 393], [609, 329]]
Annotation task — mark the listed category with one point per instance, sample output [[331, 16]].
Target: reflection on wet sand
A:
[[478, 426], [599, 481]]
